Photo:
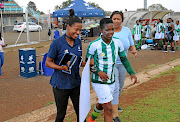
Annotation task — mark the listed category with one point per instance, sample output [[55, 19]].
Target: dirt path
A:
[[19, 96]]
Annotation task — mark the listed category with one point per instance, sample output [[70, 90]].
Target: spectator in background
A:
[[169, 35], [52, 27], [64, 25], [56, 34], [163, 31], [176, 34], [141, 23], [159, 36], [2, 6], [15, 23], [147, 29], [4, 27], [2, 44], [137, 34]]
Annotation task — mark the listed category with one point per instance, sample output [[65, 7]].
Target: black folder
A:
[[68, 57]]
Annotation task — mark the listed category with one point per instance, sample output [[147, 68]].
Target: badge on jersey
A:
[[103, 55], [66, 51], [79, 48]]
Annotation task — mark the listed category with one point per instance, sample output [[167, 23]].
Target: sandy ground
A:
[[19, 95]]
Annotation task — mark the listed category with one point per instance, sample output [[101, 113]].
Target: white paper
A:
[[85, 100]]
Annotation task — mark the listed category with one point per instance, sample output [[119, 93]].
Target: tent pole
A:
[[27, 26], [49, 24], [39, 30], [150, 22], [2, 31]]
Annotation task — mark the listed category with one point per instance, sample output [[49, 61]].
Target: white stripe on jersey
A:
[[137, 29], [177, 27], [110, 61], [159, 27]]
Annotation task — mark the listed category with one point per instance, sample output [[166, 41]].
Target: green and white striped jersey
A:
[[105, 56], [166, 26], [177, 29], [163, 28], [147, 29], [137, 29], [159, 27]]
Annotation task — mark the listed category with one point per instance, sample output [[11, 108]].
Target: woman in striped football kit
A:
[[137, 33], [176, 34], [159, 36], [104, 51], [147, 30]]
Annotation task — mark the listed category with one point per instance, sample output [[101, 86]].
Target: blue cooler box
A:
[[149, 41], [27, 60]]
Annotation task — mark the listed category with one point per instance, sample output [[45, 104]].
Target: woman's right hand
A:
[[103, 76], [65, 68]]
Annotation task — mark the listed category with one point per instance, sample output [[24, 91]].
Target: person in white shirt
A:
[[137, 30], [176, 34], [147, 29], [2, 44], [159, 31]]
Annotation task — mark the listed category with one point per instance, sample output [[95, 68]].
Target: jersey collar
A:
[[105, 42]]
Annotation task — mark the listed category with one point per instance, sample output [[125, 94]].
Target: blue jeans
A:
[[1, 60], [120, 75]]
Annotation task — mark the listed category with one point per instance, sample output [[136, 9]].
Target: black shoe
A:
[[172, 50], [116, 119], [120, 109], [152, 48], [165, 50]]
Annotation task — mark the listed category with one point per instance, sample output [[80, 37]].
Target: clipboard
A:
[[80, 61], [68, 57]]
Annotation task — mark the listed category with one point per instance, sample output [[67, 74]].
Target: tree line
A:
[[64, 4]]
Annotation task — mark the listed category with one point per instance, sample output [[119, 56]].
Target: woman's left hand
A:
[[134, 53], [134, 79], [83, 63], [4, 45]]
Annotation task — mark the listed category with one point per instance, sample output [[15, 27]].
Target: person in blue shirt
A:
[[66, 85], [56, 34], [64, 26], [124, 34]]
